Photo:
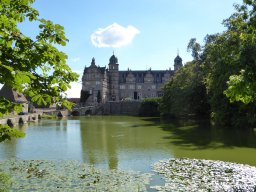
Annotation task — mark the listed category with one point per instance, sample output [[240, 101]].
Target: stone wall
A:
[[20, 119], [121, 108]]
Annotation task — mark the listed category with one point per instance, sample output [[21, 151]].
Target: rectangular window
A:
[[153, 86], [122, 86], [139, 87], [131, 86], [97, 83]]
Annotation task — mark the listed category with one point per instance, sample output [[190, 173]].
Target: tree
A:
[[229, 62], [185, 93], [222, 75], [195, 49], [33, 66], [150, 107], [242, 85]]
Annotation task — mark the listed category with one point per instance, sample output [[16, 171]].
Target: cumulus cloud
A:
[[114, 35]]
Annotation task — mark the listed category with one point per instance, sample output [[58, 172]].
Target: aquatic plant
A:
[[5, 182], [205, 175], [38, 175]]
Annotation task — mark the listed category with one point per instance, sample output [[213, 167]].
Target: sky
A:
[[142, 34]]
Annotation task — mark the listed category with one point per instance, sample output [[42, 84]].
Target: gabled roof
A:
[[93, 65], [12, 95], [100, 69]]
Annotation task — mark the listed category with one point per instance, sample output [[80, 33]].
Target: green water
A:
[[129, 143]]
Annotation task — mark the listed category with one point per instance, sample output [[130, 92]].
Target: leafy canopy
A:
[[33, 66], [221, 79]]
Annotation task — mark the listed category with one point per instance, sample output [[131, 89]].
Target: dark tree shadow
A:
[[201, 134]]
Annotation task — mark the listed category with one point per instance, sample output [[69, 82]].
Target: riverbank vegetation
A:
[[220, 82], [150, 107]]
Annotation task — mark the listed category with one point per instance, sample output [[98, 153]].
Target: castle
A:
[[101, 84]]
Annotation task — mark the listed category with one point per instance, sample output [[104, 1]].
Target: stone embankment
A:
[[52, 111], [20, 119]]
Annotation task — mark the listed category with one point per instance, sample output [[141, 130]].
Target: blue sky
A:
[[142, 33]]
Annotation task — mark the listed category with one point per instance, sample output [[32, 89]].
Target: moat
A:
[[128, 143]]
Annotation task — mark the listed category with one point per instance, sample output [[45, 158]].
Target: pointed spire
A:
[[93, 62], [178, 52]]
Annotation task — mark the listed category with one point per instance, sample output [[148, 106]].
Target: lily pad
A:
[[205, 175], [38, 175]]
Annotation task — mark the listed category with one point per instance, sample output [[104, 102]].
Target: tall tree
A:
[[230, 57], [242, 85], [185, 93], [33, 66]]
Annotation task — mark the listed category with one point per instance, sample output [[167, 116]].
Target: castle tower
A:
[[177, 63], [113, 78]]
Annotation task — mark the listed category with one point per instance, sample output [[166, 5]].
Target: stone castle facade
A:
[[102, 84]]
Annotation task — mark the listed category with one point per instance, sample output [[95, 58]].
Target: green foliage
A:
[[7, 107], [229, 62], [222, 77], [239, 90], [32, 66], [49, 116], [195, 48], [5, 182], [6, 133], [185, 94], [149, 107]]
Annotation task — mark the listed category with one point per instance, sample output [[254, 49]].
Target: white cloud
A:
[[114, 35]]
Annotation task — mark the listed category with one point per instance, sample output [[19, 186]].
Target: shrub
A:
[[149, 107]]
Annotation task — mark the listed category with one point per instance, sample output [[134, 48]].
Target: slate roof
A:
[[101, 69], [139, 75], [12, 95]]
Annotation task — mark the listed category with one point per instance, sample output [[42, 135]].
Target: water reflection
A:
[[44, 140], [115, 142], [98, 143], [120, 142]]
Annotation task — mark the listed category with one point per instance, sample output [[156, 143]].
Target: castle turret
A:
[[113, 78], [177, 63], [93, 62]]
